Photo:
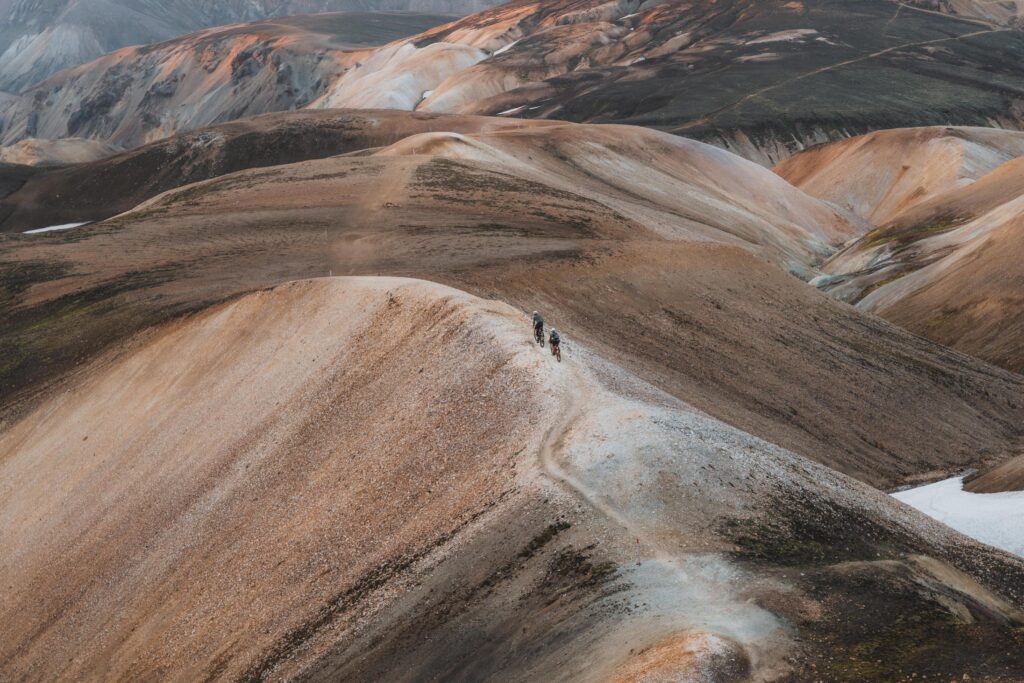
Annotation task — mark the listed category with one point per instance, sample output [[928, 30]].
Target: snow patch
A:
[[53, 228], [784, 36], [504, 49], [825, 280], [764, 57], [513, 110], [996, 519]]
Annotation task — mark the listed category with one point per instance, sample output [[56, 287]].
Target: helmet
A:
[[554, 331], [535, 312]]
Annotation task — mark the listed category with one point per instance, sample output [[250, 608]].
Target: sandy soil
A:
[[1009, 476], [384, 479], [55, 152]]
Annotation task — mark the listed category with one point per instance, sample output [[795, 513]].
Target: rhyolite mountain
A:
[[371, 478], [40, 37], [943, 259], [220, 74], [764, 78]]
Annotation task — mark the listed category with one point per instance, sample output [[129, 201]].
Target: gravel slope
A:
[[380, 478]]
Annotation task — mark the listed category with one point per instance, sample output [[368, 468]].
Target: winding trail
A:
[[554, 441]]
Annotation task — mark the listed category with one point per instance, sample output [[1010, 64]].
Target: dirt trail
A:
[[274, 535], [970, 20], [579, 393]]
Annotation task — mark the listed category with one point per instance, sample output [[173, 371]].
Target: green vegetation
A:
[[804, 532], [881, 283], [17, 277], [40, 341], [907, 235]]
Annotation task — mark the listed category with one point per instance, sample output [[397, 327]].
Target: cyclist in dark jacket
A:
[[555, 340], [538, 328]]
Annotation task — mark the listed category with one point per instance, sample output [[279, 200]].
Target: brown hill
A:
[[107, 187], [942, 261], [1009, 476], [538, 218], [384, 479]]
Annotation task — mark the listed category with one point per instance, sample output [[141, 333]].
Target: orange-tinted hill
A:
[[106, 187], [882, 175], [943, 260], [385, 479], [675, 270]]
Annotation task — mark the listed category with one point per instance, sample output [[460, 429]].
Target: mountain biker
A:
[[555, 341], [538, 328]]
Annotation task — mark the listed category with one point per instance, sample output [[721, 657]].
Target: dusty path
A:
[[579, 393]]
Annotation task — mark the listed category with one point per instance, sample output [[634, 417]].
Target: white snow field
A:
[[993, 518], [52, 228]]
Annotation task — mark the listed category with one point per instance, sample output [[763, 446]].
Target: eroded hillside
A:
[[40, 37], [763, 78], [140, 94], [654, 268], [943, 260], [376, 478]]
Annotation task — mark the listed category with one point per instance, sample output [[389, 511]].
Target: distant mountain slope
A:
[[146, 93], [944, 260], [40, 37], [881, 175], [33, 152], [761, 77]]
